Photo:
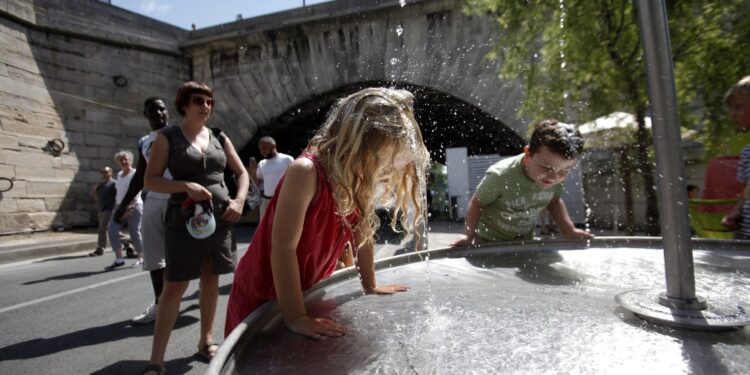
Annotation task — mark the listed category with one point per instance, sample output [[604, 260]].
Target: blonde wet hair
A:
[[365, 134]]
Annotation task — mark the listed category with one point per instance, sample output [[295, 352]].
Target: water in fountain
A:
[[508, 310]]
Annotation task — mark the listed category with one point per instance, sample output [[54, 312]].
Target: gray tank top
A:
[[188, 164]]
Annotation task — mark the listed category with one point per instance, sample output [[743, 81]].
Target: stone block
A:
[[42, 189], [7, 171], [43, 220], [60, 204], [136, 122], [66, 174], [102, 117], [9, 142], [3, 70], [35, 174], [32, 141], [31, 205], [84, 152], [75, 138], [100, 140], [18, 191], [28, 159], [13, 223], [7, 205], [78, 218], [23, 127]]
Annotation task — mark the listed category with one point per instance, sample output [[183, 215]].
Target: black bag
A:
[[230, 180]]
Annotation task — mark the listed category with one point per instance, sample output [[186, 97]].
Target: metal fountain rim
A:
[[264, 314]]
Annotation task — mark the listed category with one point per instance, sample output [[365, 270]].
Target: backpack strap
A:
[[219, 135]]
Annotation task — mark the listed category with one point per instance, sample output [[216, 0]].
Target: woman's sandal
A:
[[159, 369], [205, 352]]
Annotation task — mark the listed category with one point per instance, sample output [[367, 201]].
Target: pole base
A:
[[717, 316]]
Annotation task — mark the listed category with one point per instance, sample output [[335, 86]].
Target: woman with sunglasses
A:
[[196, 158]]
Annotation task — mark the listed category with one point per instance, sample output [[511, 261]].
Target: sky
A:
[[205, 13]]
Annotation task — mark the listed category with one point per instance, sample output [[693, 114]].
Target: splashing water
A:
[[399, 30], [402, 3], [394, 61]]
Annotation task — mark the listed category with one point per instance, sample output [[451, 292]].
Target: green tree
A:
[[581, 59]]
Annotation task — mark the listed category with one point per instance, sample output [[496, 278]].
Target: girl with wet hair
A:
[[368, 153]]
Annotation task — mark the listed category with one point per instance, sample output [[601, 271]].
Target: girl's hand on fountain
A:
[[316, 328], [389, 289], [578, 234]]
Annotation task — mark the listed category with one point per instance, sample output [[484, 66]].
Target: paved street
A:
[[67, 315]]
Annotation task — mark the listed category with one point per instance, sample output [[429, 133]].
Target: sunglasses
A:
[[200, 101]]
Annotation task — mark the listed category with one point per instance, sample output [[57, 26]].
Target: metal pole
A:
[[675, 225]]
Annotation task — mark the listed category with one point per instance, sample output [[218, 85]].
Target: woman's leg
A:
[[166, 315], [209, 297]]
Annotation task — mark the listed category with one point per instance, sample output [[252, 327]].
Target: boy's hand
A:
[[462, 241], [578, 234], [316, 328], [389, 289]]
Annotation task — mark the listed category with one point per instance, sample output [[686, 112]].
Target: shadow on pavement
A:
[[64, 257], [175, 366], [36, 348], [223, 291], [76, 275]]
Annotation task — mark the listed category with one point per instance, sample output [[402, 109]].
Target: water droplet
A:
[[394, 61], [399, 30]]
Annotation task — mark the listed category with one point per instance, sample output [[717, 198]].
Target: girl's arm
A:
[[295, 196], [157, 164], [365, 261], [234, 210]]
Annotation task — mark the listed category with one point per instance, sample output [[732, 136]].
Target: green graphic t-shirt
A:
[[511, 202]]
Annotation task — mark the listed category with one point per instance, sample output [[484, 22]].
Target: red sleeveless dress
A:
[[324, 236]]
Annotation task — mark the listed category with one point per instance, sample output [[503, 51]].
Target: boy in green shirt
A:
[[508, 200]]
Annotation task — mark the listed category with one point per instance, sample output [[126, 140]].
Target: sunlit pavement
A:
[[67, 315]]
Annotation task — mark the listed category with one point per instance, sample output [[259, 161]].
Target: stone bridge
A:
[[279, 74], [79, 71]]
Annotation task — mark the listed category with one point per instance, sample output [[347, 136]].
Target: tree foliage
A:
[[582, 59]]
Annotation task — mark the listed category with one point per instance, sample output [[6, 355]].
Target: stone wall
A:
[[58, 61]]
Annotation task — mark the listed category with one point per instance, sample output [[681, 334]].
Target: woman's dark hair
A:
[[562, 139], [186, 90]]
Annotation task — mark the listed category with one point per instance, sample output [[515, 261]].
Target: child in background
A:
[[738, 100], [326, 201], [508, 200]]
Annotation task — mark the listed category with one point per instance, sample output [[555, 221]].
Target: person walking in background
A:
[[198, 244], [269, 170], [326, 202], [738, 100], [154, 207], [104, 194], [133, 212], [507, 201]]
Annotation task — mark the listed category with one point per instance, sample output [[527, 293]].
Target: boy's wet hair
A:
[[742, 87], [562, 139]]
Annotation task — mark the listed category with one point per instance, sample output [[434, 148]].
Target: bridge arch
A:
[[445, 122]]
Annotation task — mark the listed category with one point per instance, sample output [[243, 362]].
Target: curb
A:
[[24, 252]]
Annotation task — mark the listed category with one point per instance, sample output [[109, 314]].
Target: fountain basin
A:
[[539, 307]]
